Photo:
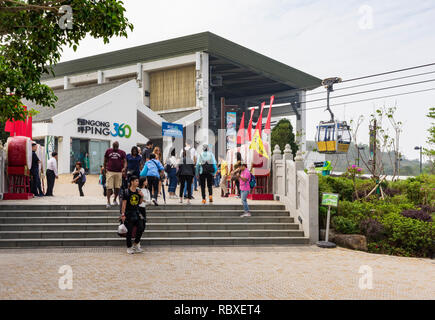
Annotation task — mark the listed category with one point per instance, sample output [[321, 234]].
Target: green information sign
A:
[[330, 199]]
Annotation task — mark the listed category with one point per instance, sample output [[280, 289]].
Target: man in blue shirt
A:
[[151, 170], [133, 162]]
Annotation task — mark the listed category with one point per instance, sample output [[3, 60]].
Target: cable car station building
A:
[[125, 95]]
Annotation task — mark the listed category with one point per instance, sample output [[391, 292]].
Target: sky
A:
[[325, 38]]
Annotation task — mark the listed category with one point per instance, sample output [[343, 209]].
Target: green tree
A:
[[32, 35], [430, 152], [3, 134], [282, 134]]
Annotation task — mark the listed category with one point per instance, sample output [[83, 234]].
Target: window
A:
[[173, 89]]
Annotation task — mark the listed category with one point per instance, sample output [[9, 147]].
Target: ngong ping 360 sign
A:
[[103, 128]]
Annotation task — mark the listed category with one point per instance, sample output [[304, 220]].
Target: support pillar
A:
[[313, 205], [202, 89], [275, 156], [301, 123]]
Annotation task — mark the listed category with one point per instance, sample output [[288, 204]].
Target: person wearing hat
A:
[[51, 173], [206, 169], [35, 185]]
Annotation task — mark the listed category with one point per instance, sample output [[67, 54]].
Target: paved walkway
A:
[[66, 192], [213, 273]]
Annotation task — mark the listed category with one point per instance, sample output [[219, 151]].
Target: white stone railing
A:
[[299, 191]]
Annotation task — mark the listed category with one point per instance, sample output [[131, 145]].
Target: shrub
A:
[[408, 237], [419, 190], [345, 225], [417, 214], [340, 185], [427, 208], [372, 229], [392, 192], [400, 200]]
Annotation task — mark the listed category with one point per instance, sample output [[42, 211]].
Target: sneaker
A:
[[181, 200], [115, 203], [108, 206], [130, 250], [155, 202], [137, 248], [246, 214], [203, 201], [210, 199]]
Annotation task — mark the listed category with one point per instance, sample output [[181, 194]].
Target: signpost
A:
[[330, 200], [172, 130]]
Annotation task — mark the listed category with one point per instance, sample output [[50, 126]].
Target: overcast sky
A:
[[324, 38]]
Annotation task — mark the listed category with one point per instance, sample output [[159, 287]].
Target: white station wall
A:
[[118, 105]]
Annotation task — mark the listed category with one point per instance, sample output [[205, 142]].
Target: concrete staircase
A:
[[93, 225]]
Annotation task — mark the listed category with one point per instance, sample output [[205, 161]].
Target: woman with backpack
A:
[[245, 188], [185, 173], [153, 171], [79, 177], [206, 168]]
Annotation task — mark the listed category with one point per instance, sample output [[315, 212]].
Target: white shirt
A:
[[172, 161], [52, 165], [192, 153], [146, 199]]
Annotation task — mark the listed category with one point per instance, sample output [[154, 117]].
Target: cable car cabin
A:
[[333, 137]]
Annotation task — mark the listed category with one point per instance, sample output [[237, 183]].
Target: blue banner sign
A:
[[172, 130]]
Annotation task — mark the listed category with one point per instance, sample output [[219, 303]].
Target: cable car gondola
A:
[[332, 137]]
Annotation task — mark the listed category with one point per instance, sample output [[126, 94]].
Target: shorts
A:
[[113, 180]]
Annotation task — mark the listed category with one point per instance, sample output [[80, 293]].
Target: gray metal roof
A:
[[70, 98], [216, 46], [175, 116]]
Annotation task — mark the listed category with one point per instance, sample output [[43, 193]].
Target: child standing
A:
[[103, 180]]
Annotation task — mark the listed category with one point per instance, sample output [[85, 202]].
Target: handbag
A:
[[122, 230]]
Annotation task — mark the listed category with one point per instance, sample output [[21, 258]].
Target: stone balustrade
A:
[[298, 190]]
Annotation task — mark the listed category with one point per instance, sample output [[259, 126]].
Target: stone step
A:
[[207, 207], [150, 226], [166, 219], [161, 213], [83, 234], [110, 242]]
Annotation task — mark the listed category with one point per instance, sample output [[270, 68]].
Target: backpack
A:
[[207, 168], [84, 178], [252, 182]]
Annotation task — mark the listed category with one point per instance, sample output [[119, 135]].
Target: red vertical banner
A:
[[260, 119], [269, 116]]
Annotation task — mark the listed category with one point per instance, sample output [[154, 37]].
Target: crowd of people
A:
[[140, 177]]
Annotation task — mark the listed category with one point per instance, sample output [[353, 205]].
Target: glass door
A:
[[97, 149]]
